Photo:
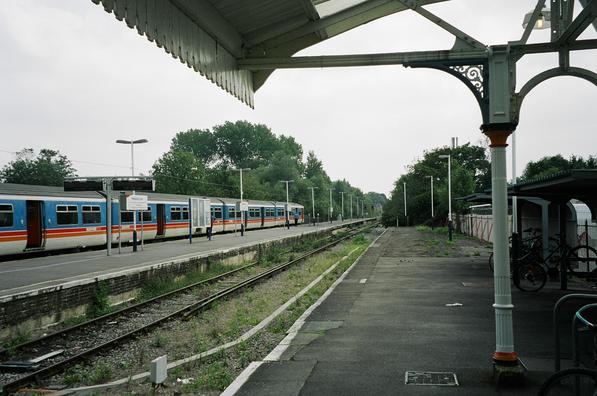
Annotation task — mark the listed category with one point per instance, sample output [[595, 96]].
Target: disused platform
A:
[[398, 311]]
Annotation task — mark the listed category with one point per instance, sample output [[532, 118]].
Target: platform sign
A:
[[242, 206], [200, 212], [136, 202], [83, 185], [133, 184]]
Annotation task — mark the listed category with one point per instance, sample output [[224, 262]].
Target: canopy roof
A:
[[211, 36], [578, 184]]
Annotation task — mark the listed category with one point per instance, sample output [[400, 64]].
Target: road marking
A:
[[363, 280]]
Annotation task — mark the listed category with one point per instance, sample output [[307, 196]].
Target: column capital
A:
[[498, 133]]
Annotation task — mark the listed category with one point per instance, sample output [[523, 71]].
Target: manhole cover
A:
[[430, 378]]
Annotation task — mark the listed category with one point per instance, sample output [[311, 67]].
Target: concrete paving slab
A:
[[398, 321]]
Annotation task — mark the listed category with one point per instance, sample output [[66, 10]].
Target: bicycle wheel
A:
[[580, 259], [491, 262], [531, 276], [570, 382]]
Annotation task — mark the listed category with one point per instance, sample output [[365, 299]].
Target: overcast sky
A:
[[73, 78]]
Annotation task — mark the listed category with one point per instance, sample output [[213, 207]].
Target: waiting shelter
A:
[[542, 204]]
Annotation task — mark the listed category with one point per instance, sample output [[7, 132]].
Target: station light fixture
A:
[[543, 21]]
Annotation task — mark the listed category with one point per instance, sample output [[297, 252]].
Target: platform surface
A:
[[389, 316], [25, 274]]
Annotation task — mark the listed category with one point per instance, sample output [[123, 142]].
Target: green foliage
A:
[[470, 172], [179, 172], [551, 165], [49, 168], [99, 304], [202, 162]]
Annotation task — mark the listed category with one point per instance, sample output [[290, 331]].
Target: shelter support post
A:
[[504, 354], [545, 228], [563, 257]]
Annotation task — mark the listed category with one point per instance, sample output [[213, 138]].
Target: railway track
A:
[[77, 343]]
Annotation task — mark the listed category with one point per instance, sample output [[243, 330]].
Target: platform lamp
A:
[[313, 200], [287, 202], [342, 194], [132, 143], [242, 216], [444, 156], [431, 179]]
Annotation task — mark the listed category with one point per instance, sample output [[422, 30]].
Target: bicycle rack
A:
[[556, 311], [576, 354]]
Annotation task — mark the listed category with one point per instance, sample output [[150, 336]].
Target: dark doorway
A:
[[161, 218], [34, 225]]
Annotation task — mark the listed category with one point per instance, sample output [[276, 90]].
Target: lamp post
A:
[[405, 213], [357, 207], [331, 204], [242, 215], [431, 179], [350, 195], [132, 143], [287, 202], [342, 194], [313, 205], [443, 156]]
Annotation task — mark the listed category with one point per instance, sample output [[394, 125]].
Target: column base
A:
[[508, 372]]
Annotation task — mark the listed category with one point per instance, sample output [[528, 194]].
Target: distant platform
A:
[[29, 274]]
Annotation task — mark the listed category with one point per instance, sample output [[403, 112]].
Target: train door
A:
[[161, 219], [34, 225]]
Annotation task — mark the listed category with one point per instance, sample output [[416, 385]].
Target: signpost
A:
[[105, 185]]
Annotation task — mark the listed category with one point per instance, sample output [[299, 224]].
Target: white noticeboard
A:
[[242, 206], [136, 202], [201, 212]]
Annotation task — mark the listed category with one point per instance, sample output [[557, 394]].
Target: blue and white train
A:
[[41, 218]]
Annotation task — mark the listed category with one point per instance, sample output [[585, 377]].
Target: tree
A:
[[551, 165], [470, 173], [200, 142], [49, 168], [179, 172]]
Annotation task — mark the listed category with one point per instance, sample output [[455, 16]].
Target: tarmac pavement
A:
[[25, 274], [389, 316]]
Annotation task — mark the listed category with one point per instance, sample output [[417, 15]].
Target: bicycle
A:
[[576, 381], [527, 245], [528, 275]]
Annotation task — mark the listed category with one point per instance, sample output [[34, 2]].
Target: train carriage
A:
[[38, 218]]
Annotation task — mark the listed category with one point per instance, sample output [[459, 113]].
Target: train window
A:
[[217, 213], [146, 215], [175, 213], [67, 214], [91, 214], [6, 215], [126, 217], [185, 212], [232, 213]]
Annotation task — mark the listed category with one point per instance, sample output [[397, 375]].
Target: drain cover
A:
[[430, 378]]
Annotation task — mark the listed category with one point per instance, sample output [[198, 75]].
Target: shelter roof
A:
[[211, 36], [561, 187]]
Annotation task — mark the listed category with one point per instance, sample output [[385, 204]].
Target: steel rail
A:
[[5, 352], [185, 312]]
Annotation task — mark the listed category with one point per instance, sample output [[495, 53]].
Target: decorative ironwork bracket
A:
[[474, 74]]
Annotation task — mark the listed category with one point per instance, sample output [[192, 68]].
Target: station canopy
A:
[[558, 188], [212, 36]]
